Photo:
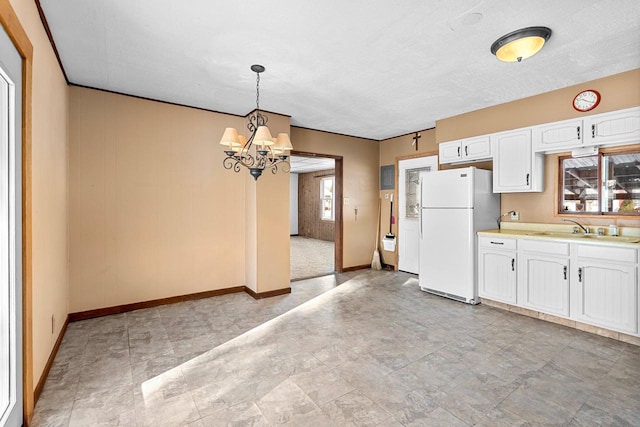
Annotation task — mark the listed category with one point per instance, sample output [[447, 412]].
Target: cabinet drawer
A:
[[497, 242], [549, 248], [608, 253]]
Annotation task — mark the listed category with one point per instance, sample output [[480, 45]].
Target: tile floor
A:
[[374, 351]]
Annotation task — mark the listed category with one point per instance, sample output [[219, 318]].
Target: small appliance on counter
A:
[[456, 203]]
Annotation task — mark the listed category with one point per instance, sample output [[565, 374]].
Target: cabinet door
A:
[[476, 148], [544, 284], [615, 128], [607, 295], [450, 152], [497, 275], [559, 136], [514, 167]]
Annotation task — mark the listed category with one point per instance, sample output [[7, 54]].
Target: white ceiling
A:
[[369, 68], [310, 164]]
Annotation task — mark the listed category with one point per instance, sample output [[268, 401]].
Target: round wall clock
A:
[[586, 100]]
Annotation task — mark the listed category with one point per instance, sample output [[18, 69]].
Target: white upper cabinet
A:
[[615, 128], [558, 136], [465, 150], [606, 129], [515, 167]]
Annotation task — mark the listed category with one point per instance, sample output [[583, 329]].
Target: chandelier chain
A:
[[258, 91]]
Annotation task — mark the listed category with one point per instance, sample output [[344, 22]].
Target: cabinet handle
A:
[[513, 264], [527, 179], [564, 270], [466, 150], [458, 151], [593, 130], [580, 275], [578, 130], [497, 243]]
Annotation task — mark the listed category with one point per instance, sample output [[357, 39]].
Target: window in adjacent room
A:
[[327, 198], [604, 184]]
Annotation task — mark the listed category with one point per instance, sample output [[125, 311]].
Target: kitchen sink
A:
[[608, 238], [595, 237]]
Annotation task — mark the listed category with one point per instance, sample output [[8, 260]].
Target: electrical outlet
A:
[[386, 196], [515, 216]]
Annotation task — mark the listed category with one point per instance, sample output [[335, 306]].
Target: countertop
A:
[[629, 236]]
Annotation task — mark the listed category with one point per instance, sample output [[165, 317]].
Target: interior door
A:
[[10, 234], [409, 210]]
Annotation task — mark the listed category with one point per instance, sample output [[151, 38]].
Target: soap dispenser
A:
[[613, 230]]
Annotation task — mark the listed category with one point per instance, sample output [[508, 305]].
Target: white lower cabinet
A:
[[589, 283], [606, 288], [544, 284], [497, 269]]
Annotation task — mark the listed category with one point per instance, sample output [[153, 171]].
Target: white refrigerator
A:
[[455, 204]]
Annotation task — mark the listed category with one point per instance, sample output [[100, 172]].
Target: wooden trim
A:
[[415, 156], [157, 100], [47, 30], [339, 213], [408, 133], [357, 267], [268, 294], [559, 187], [337, 133], [11, 24], [99, 312], [52, 357], [338, 239]]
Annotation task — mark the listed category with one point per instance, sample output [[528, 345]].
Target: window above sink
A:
[[604, 184]]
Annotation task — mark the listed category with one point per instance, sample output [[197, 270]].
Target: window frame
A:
[[634, 149], [333, 198]]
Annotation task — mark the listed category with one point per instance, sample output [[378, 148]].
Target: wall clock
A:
[[586, 100]]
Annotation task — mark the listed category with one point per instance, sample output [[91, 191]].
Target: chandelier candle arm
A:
[[260, 151]]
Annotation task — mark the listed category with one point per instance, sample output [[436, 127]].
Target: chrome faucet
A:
[[575, 229]]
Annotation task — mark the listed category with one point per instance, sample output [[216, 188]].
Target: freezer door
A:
[[447, 254], [448, 189]]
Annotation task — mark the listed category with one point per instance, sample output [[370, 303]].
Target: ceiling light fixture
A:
[[261, 151], [520, 44]]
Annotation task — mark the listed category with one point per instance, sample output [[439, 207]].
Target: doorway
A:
[[10, 234], [316, 215], [409, 210]]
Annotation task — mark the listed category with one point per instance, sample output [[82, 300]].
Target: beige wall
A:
[[49, 189], [153, 214], [392, 150], [272, 222], [618, 91], [360, 186]]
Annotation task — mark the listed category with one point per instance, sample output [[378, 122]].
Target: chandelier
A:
[[261, 151]]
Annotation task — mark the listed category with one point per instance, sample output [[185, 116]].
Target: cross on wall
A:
[[415, 140]]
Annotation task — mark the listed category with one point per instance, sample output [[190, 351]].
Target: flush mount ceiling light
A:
[[260, 151], [520, 44]]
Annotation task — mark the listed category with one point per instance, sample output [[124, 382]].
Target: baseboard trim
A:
[[49, 364], [260, 295], [118, 309], [619, 336], [357, 267]]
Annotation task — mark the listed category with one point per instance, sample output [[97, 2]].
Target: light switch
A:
[[346, 201]]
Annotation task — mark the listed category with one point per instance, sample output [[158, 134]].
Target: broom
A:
[[375, 262]]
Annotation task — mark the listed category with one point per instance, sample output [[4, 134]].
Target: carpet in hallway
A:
[[311, 257]]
